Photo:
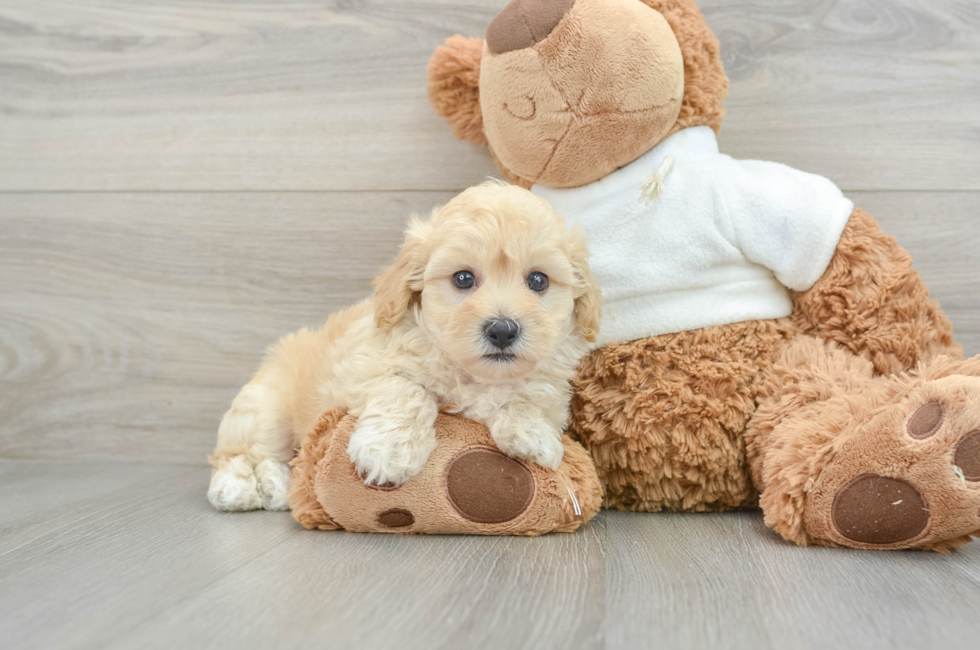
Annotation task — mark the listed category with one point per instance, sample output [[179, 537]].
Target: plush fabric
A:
[[719, 245], [523, 23], [705, 81], [707, 419], [488, 494], [872, 302], [664, 417], [454, 75], [826, 420], [847, 413], [568, 125]]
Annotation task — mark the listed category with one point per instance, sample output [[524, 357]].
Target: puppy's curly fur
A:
[[420, 344]]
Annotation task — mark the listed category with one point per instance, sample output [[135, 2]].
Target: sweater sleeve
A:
[[786, 220]]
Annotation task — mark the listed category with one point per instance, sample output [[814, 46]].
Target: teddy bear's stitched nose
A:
[[523, 23]]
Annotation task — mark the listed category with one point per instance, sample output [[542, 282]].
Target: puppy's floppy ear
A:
[[454, 87], [588, 298], [400, 285]]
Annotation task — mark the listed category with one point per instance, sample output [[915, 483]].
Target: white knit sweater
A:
[[719, 245]]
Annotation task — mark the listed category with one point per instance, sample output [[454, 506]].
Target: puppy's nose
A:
[[523, 23], [502, 332]]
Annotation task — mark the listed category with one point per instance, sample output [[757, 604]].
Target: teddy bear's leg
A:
[[664, 417], [873, 303], [846, 458]]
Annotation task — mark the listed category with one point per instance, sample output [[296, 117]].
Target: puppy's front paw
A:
[[385, 454], [536, 440]]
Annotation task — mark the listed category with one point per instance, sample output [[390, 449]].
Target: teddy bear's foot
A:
[[908, 475]]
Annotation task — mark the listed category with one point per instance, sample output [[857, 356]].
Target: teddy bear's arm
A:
[[871, 301]]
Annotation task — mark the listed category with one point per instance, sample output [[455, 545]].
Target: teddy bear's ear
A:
[[454, 87]]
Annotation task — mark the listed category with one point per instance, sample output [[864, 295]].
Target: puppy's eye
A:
[[464, 280], [537, 282]]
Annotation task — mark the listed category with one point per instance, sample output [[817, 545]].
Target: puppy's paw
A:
[[385, 454], [535, 440], [234, 487], [272, 478]]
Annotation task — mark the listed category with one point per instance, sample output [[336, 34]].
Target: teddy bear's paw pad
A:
[[396, 518], [927, 421], [966, 460], [272, 482], [234, 487], [934, 417], [487, 487], [879, 510]]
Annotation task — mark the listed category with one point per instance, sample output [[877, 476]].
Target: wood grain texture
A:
[[726, 581], [138, 559], [874, 94], [329, 95], [142, 561], [129, 321]]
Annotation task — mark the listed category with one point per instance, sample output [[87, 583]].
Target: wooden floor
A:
[[181, 181], [104, 555]]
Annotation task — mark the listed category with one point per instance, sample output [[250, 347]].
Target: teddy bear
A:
[[763, 342], [466, 487]]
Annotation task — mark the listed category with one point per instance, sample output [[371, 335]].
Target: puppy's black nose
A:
[[502, 332]]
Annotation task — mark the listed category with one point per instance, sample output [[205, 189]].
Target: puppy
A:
[[488, 308]]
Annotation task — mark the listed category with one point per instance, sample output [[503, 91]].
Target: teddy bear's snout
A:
[[523, 23]]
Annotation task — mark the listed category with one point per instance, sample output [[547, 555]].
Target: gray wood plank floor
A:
[[138, 559], [182, 181]]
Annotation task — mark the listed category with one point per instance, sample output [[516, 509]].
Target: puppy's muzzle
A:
[[501, 332]]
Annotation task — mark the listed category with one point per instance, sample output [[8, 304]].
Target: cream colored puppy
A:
[[488, 308]]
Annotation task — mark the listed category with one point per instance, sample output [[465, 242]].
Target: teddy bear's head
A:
[[566, 91]]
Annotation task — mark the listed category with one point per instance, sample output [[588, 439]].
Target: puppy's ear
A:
[[588, 299], [400, 285], [454, 87]]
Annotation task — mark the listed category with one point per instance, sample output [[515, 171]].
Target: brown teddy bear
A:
[[763, 341], [466, 487]]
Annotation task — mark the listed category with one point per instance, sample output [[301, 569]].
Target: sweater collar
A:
[[572, 202]]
